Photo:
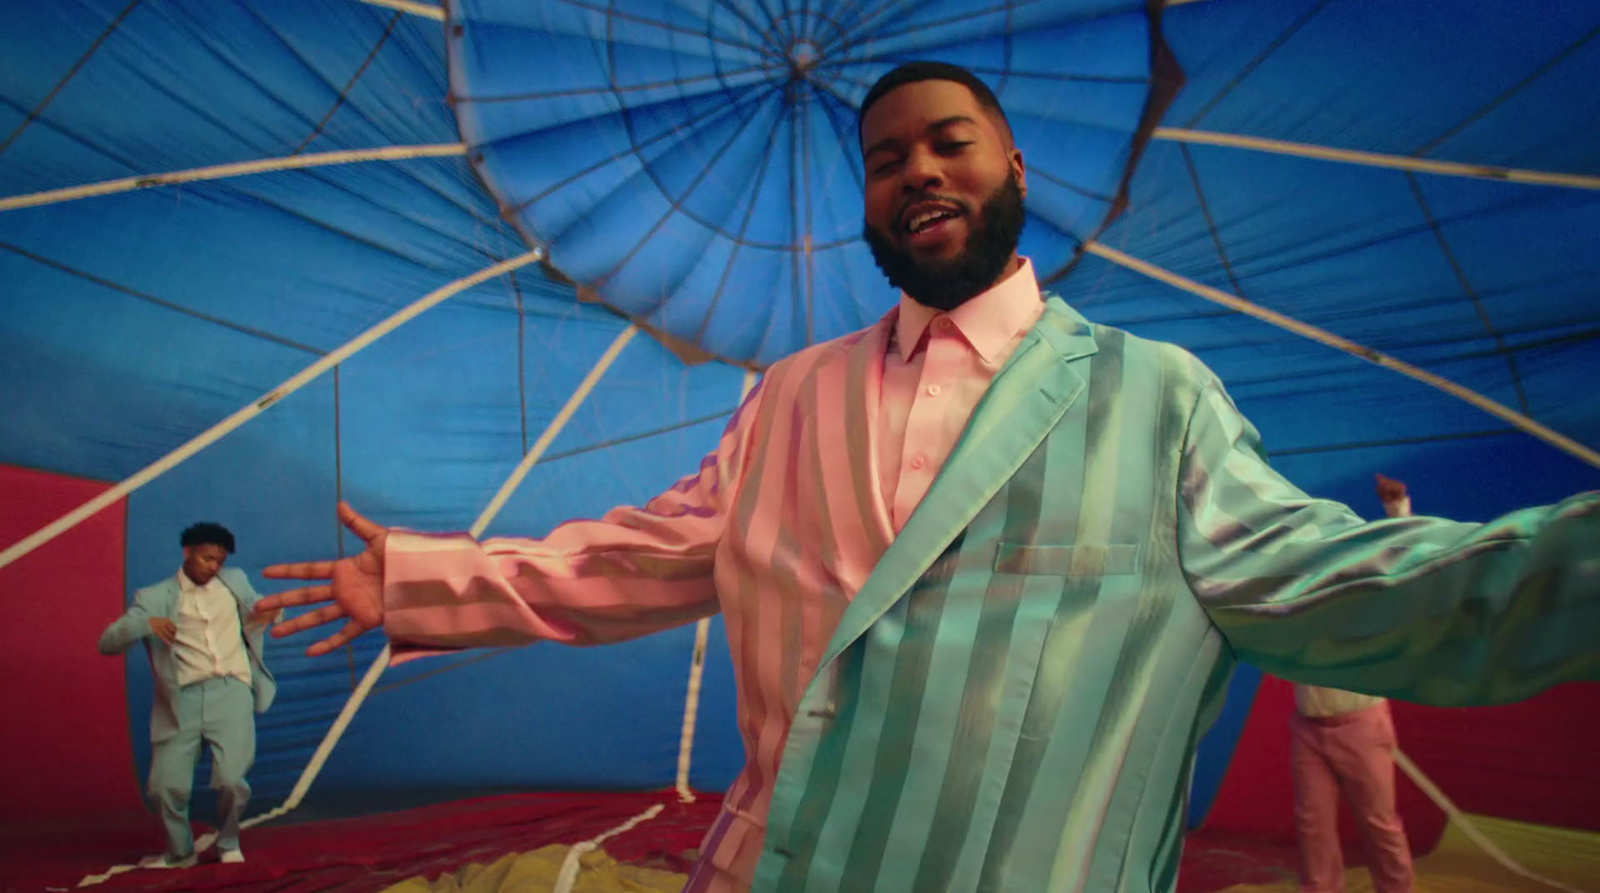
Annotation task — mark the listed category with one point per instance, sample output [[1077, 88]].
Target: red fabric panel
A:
[[1257, 796], [368, 854], [1533, 761], [65, 734]]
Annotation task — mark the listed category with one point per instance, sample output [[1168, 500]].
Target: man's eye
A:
[[886, 167], [950, 148]]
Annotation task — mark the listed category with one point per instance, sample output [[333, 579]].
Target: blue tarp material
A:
[[693, 164]]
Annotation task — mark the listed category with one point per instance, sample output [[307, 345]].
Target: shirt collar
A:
[[187, 585], [988, 321]]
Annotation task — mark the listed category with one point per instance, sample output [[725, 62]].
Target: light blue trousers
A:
[[220, 712]]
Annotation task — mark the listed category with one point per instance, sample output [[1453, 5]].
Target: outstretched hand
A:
[[354, 588], [1390, 489]]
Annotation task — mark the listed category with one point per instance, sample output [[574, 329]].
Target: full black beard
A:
[[947, 284]]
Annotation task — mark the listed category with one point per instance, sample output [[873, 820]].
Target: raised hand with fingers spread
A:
[[354, 588]]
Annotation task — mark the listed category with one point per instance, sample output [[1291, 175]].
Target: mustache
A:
[[924, 196]]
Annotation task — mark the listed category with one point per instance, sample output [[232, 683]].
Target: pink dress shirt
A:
[[778, 530], [936, 369]]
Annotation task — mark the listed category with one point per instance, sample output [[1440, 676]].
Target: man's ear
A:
[[1021, 170]]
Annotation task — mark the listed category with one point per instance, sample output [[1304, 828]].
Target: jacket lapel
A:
[[169, 598], [253, 635], [1027, 398], [238, 601]]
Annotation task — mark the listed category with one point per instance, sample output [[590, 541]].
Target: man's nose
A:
[[920, 172]]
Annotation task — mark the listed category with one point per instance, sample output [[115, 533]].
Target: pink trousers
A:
[[1354, 754]]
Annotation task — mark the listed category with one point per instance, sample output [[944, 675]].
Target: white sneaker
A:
[[231, 857], [165, 860]]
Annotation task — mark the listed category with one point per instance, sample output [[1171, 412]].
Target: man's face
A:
[[202, 562], [944, 190]]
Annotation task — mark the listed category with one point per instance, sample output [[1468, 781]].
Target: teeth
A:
[[921, 220]]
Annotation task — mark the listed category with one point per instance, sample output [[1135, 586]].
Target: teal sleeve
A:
[[1419, 609], [127, 629]]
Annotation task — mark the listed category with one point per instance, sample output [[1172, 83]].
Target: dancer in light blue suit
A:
[[206, 656]]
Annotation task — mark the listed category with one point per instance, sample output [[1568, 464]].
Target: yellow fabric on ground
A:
[[536, 872], [1457, 865]]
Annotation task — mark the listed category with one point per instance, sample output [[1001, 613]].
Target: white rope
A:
[[309, 774], [1215, 295], [553, 429], [572, 864], [95, 880], [359, 696], [236, 169], [1378, 159], [426, 10], [250, 411], [1460, 820], [691, 708], [697, 669]]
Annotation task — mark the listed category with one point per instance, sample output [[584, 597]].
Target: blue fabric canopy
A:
[[680, 158], [692, 167]]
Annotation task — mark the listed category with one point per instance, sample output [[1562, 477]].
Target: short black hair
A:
[[207, 533], [915, 72]]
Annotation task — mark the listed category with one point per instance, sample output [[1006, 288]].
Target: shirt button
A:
[[942, 323], [918, 461], [933, 390]]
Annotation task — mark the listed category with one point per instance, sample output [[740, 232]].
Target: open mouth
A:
[[927, 217]]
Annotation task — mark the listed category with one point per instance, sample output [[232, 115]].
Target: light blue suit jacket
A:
[[161, 600], [1012, 701]]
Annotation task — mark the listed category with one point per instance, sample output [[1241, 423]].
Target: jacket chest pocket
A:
[[1075, 562]]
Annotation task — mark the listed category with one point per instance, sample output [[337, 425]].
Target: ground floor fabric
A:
[[539, 870], [1457, 865], [426, 845]]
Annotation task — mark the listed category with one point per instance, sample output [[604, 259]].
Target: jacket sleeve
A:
[[127, 629], [1420, 609], [239, 582], [635, 571]]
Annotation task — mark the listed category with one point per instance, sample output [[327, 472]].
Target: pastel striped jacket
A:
[[1007, 695]]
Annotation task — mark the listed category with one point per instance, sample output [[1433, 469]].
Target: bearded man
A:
[[986, 567]]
